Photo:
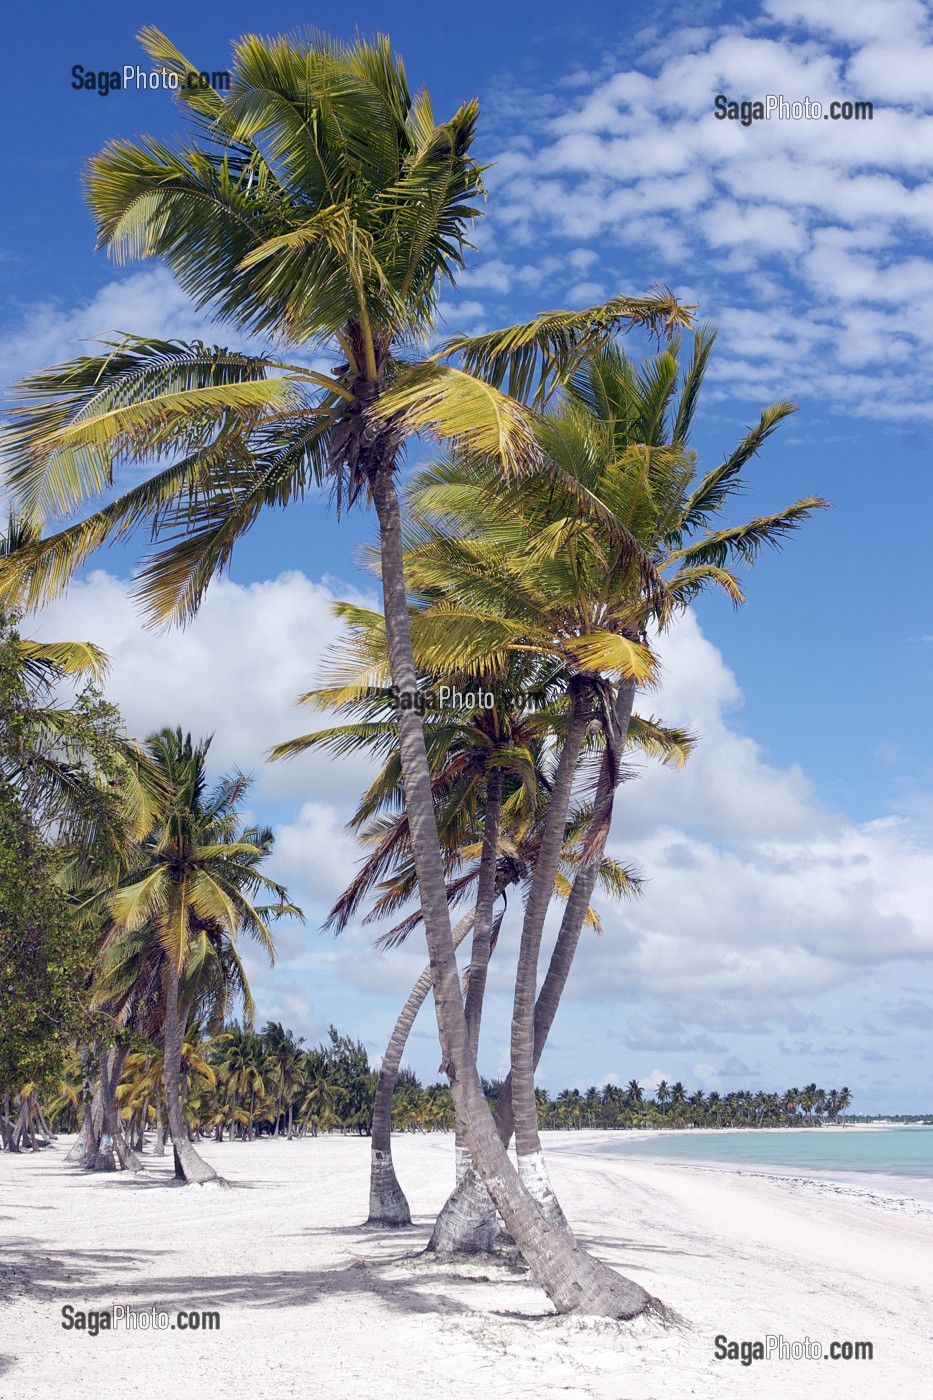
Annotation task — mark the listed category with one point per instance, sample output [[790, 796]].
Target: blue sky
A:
[[785, 933]]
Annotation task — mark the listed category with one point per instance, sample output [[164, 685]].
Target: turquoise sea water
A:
[[890, 1151]]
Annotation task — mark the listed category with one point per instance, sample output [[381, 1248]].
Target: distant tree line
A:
[[673, 1107], [241, 1085]]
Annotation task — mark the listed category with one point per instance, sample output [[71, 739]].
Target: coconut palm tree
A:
[[323, 205], [697, 1105], [808, 1102], [320, 1097], [547, 563], [284, 1058], [320, 203], [194, 882], [494, 750]]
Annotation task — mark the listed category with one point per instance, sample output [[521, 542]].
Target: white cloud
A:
[[757, 893], [837, 214], [235, 671], [758, 896], [855, 21], [148, 303]]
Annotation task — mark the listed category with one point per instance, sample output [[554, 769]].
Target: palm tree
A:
[[320, 1095], [193, 885], [843, 1099], [697, 1104], [284, 1059], [808, 1102], [322, 205], [663, 1095], [790, 1102], [550, 564], [488, 774]]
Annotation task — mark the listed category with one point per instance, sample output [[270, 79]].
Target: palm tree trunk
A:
[[189, 1165], [86, 1144], [573, 1280], [112, 1140], [531, 1165], [86, 1136], [387, 1202], [18, 1126], [143, 1123], [480, 1238], [158, 1145], [524, 1104], [485, 902], [459, 1227]]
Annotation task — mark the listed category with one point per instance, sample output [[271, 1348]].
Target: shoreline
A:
[[882, 1190], [640, 1133]]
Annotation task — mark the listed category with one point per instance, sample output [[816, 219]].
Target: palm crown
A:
[[317, 203]]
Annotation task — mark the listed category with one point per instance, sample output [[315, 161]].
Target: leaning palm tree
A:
[[321, 204], [546, 563], [489, 791], [197, 875]]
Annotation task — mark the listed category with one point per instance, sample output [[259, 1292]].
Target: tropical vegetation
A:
[[233, 1089], [317, 209]]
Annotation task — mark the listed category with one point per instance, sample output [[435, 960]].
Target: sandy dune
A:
[[312, 1305]]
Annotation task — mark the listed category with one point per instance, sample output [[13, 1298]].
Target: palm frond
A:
[[532, 360]]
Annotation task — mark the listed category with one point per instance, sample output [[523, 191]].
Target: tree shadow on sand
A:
[[90, 1279]]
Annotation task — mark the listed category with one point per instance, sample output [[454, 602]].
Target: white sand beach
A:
[[312, 1304]]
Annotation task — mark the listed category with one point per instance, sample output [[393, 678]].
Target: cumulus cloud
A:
[[759, 899], [148, 303], [821, 225], [757, 893], [234, 672]]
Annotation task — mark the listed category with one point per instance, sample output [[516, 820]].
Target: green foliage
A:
[[346, 1066], [43, 955], [671, 1107]]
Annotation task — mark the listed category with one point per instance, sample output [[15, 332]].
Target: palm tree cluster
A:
[[241, 1085], [672, 1107], [318, 208], [158, 918]]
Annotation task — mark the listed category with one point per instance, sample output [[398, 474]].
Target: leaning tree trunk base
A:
[[388, 1206], [598, 1291], [468, 1224], [192, 1170]]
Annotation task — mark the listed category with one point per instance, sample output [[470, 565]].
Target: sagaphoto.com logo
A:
[[776, 106], [132, 78]]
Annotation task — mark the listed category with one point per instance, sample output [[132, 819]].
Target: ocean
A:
[[886, 1151]]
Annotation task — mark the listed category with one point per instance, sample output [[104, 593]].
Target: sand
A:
[[313, 1305]]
